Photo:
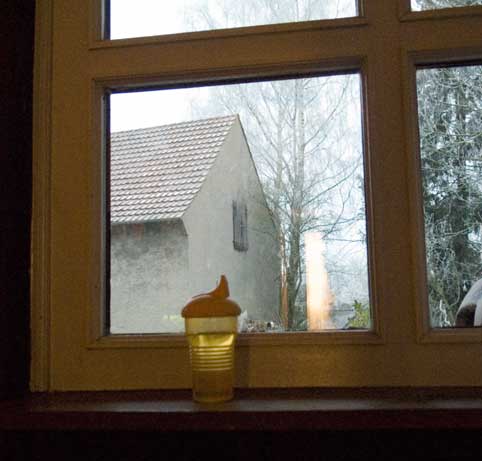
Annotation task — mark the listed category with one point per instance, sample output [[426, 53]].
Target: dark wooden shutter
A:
[[240, 226]]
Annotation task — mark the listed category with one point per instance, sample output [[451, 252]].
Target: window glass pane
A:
[[262, 182], [421, 5], [450, 125], [142, 18]]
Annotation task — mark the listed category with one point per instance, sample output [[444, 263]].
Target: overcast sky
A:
[[138, 18], [154, 17]]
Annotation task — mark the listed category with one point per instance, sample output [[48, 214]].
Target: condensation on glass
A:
[[260, 181], [142, 18], [450, 127], [422, 5]]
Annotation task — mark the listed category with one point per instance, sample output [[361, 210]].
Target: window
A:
[[285, 158], [150, 17], [79, 73], [450, 123], [421, 5], [240, 226]]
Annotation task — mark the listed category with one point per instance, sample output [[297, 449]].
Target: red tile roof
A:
[[156, 172]]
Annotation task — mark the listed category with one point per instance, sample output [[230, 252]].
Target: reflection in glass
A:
[[142, 18], [450, 126], [262, 182]]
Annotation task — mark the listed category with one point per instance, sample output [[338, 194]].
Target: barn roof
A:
[[156, 172]]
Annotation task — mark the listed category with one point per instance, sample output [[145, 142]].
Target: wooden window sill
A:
[[251, 410]]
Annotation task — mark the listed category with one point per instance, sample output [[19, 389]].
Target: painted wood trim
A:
[[244, 340], [323, 24]]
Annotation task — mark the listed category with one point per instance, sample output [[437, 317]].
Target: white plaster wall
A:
[[253, 275], [149, 276]]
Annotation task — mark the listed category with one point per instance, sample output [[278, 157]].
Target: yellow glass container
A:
[[211, 328]]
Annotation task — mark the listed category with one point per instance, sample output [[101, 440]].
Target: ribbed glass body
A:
[[211, 349]]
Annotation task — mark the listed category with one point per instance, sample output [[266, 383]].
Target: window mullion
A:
[[388, 181]]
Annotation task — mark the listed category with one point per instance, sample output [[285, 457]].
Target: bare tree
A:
[[308, 153]]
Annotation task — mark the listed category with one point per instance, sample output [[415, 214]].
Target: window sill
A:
[[252, 410]]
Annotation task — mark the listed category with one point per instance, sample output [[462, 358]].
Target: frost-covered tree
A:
[[305, 137], [450, 124], [435, 4]]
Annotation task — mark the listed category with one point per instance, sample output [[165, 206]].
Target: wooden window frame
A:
[[73, 70]]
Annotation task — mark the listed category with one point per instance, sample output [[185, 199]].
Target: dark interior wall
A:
[[16, 69]]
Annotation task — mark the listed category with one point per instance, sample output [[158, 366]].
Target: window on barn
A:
[[240, 226]]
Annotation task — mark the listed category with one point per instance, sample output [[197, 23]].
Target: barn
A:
[[187, 205]]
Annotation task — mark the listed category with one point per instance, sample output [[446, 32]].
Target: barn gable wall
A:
[[149, 263], [253, 275]]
